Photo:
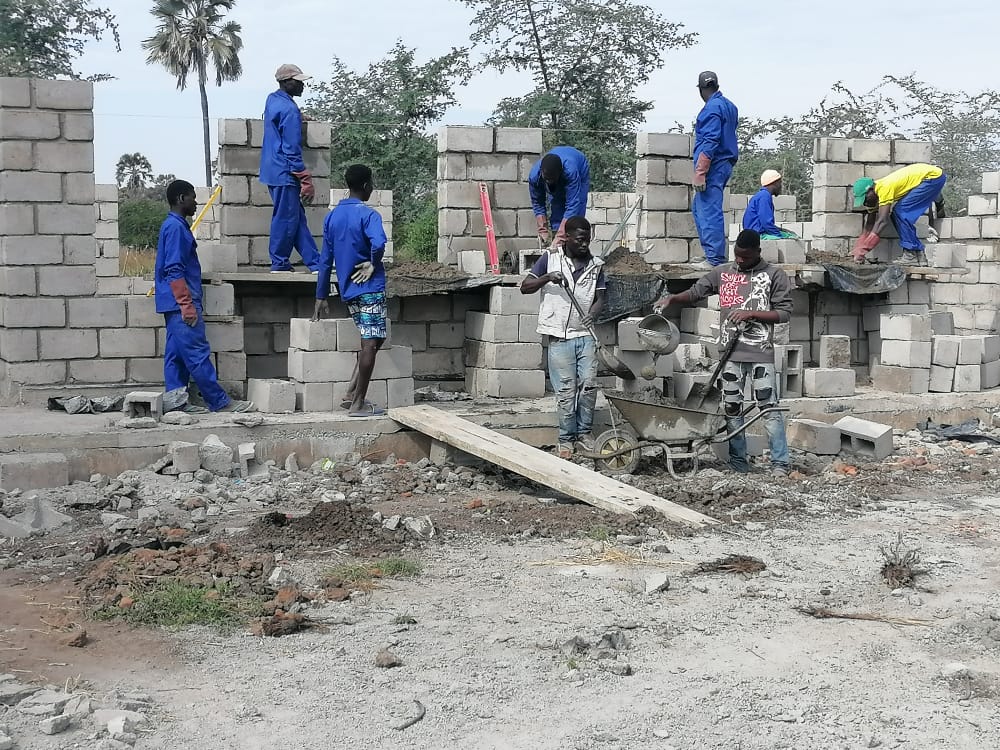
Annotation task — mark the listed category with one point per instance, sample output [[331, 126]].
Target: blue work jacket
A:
[[176, 258], [715, 130], [281, 153]]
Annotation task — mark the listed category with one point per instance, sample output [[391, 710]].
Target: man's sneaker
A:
[[701, 265], [239, 407], [911, 258], [779, 472], [584, 444], [565, 450]]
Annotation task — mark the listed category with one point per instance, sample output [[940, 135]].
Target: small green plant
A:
[[599, 533], [572, 663], [364, 574], [418, 236], [176, 605], [404, 620]]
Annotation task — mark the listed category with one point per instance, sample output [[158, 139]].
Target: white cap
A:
[[770, 176]]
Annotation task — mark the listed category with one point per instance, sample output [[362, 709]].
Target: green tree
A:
[[587, 59], [43, 38], [381, 117], [157, 191], [190, 35], [133, 173], [139, 222]]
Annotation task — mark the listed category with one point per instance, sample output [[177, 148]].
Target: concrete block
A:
[[905, 327], [473, 262], [246, 454], [399, 392], [688, 358], [508, 300], [942, 379], [527, 330], [912, 152], [438, 364], [217, 258], [828, 382], [33, 471], [16, 155], [18, 345], [78, 126], [272, 396], [830, 199], [451, 166], [685, 382], [970, 350], [447, 335], [700, 321], [680, 172], [492, 167], [17, 219], [28, 125], [647, 172], [67, 281], [50, 94], [184, 456], [33, 313], [866, 438], [125, 342], [831, 149], [320, 367], [811, 436], [665, 251], [428, 308], [455, 194], [231, 366], [393, 362], [665, 198], [945, 350], [981, 205], [67, 343], [98, 312], [145, 369], [831, 174], [31, 187], [663, 144], [219, 300], [790, 251], [15, 92], [463, 138], [968, 378], [835, 352], [871, 150], [36, 373], [143, 404], [681, 224], [502, 356], [313, 397], [62, 156], [836, 224], [495, 328], [906, 353], [246, 220], [103, 371], [225, 335], [18, 281], [900, 379], [519, 140], [990, 375], [413, 335], [316, 335], [505, 383]]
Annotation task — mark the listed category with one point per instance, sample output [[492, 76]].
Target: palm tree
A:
[[133, 172], [190, 34]]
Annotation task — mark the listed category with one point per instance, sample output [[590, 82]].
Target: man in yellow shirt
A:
[[904, 196]]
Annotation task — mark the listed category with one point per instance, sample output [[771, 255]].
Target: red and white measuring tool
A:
[[491, 237]]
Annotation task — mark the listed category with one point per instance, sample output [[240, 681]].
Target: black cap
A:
[[707, 79]]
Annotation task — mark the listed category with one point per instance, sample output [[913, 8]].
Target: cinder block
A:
[[31, 187], [508, 300], [944, 352], [143, 404], [399, 392], [126, 342], [496, 328], [912, 152], [217, 258], [647, 172], [900, 379], [700, 321], [687, 358], [218, 299], [62, 156], [970, 350], [393, 362], [16, 155], [685, 382], [968, 378], [831, 174], [429, 308], [503, 356], [990, 375], [835, 352], [831, 149], [828, 382], [413, 335], [982, 205], [28, 125], [33, 313], [67, 281], [472, 262], [272, 396], [942, 379], [50, 94], [663, 144], [665, 198], [906, 353], [665, 251], [492, 167], [184, 456], [505, 383], [33, 471], [871, 150], [438, 363], [15, 92], [447, 335], [104, 371], [527, 329], [231, 366], [18, 345], [225, 335], [320, 367], [18, 281], [836, 225], [905, 327], [790, 251], [314, 396], [316, 335], [866, 438], [519, 140], [815, 437], [36, 373], [67, 343], [463, 138], [78, 126], [17, 219]]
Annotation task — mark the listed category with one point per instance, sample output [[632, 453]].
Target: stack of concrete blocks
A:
[[905, 359], [785, 212], [860, 437], [663, 177], [209, 229], [106, 231], [381, 201], [838, 163], [789, 366], [690, 365], [982, 214], [631, 353], [245, 205], [503, 351], [834, 376], [501, 158], [964, 363], [321, 360]]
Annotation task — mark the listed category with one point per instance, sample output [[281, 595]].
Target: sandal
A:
[[368, 410]]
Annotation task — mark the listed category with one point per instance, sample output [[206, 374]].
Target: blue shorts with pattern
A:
[[370, 312]]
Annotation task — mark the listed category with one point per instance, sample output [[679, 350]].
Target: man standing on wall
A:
[[753, 295], [715, 154], [285, 174], [177, 284], [562, 176], [759, 215], [564, 270]]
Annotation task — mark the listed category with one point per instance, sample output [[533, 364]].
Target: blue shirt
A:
[[281, 152], [571, 191], [715, 130], [176, 258], [759, 215], [352, 234]]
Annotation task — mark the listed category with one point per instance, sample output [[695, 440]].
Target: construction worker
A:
[[177, 283], [715, 154], [904, 196], [285, 174], [759, 215], [568, 269], [562, 176], [753, 295]]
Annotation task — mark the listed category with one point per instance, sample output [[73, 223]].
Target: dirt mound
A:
[[326, 525], [622, 262], [417, 269]]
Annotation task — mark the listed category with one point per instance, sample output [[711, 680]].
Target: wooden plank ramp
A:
[[565, 476]]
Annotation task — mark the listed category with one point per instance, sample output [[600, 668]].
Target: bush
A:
[[418, 237], [139, 222]]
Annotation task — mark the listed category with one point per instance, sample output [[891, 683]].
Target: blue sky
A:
[[773, 58]]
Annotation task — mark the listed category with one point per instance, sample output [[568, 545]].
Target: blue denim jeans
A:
[[764, 385], [573, 374]]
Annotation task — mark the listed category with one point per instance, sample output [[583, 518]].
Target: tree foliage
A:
[[133, 172], [139, 222], [190, 36], [587, 59], [43, 38], [381, 117]]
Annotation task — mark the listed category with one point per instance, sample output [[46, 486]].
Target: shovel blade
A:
[[614, 364], [702, 394]]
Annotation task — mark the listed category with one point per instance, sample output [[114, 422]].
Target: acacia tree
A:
[[133, 173], [587, 59], [381, 117], [190, 36], [43, 38]]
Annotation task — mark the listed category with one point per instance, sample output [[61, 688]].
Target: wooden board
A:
[[565, 476]]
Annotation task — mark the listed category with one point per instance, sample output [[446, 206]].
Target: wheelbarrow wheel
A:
[[613, 442]]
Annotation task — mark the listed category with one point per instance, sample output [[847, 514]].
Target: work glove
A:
[[543, 228], [701, 168], [560, 239], [321, 310], [865, 244], [362, 272], [307, 191], [182, 295]]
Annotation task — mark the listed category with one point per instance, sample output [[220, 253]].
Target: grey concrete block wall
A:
[[107, 244]]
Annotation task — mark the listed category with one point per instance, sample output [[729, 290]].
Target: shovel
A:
[[608, 359], [701, 392]]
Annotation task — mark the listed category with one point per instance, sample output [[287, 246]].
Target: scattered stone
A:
[[6, 743], [386, 659], [78, 706], [76, 639], [660, 547], [216, 456], [41, 516], [203, 476], [12, 530], [54, 724], [249, 420], [280, 578], [621, 668], [955, 670], [12, 693], [422, 527], [392, 523], [291, 463], [104, 716], [178, 418], [657, 582], [137, 423], [629, 540]]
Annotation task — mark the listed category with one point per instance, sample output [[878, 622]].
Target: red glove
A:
[[543, 228], [560, 234], [307, 191], [182, 295], [701, 172], [865, 244]]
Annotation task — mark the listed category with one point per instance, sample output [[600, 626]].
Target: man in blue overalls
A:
[[564, 175], [177, 282], [285, 174], [715, 154]]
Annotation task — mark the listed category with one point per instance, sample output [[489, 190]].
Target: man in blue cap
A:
[[285, 174], [562, 175], [715, 154]]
